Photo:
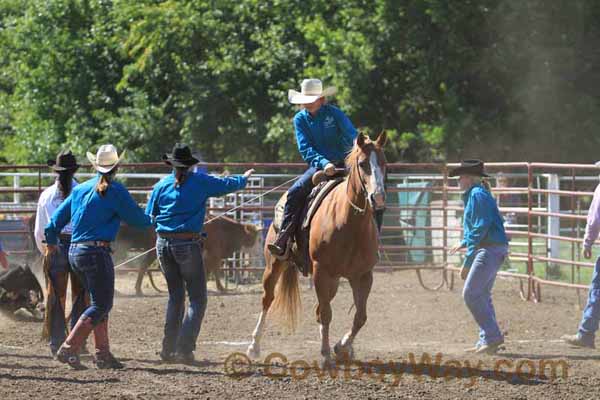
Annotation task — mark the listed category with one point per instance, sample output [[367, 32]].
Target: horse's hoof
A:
[[327, 363], [343, 353], [253, 351]]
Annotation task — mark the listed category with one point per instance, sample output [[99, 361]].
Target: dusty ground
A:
[[403, 319]]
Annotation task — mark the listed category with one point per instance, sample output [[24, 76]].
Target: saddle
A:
[[300, 239]]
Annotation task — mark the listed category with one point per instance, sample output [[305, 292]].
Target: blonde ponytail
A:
[[104, 182]]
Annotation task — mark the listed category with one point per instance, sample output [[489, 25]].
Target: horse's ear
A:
[[361, 139], [381, 139]]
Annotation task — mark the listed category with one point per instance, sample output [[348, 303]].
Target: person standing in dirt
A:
[[177, 207], [56, 266], [95, 208], [486, 247], [586, 334]]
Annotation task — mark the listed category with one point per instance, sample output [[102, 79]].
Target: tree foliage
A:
[[497, 79]]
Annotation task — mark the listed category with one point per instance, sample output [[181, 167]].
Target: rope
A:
[[215, 218]]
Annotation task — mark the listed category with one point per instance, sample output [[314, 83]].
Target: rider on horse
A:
[[325, 135]]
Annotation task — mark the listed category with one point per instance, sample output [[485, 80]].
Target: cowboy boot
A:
[[280, 247], [68, 352], [104, 358], [579, 341], [490, 348]]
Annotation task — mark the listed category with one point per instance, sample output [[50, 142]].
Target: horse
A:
[[343, 242]]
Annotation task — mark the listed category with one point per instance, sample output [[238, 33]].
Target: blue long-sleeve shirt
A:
[[95, 217], [482, 222], [182, 208], [324, 138]]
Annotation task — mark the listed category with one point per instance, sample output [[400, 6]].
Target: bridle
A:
[[363, 191]]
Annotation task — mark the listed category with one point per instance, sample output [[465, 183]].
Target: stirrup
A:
[[273, 249]]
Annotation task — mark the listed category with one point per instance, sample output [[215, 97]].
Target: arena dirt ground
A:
[[404, 319]]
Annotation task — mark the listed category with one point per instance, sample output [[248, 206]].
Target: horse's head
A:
[[367, 161]]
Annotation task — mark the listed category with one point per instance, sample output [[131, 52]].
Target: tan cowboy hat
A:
[[106, 159], [311, 90]]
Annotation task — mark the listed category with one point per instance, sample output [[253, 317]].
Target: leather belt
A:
[[96, 243], [65, 237], [180, 235]]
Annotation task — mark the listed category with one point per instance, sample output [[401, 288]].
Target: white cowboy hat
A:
[[106, 159], [311, 90]]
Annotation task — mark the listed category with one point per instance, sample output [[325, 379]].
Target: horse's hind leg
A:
[[361, 287], [271, 275]]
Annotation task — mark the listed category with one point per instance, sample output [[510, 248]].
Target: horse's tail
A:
[[287, 306]]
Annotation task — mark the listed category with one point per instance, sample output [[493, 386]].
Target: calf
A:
[[19, 289]]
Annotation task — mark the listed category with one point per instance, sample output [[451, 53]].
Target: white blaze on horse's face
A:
[[374, 182], [376, 187]]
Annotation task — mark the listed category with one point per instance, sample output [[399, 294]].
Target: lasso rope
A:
[[215, 218]]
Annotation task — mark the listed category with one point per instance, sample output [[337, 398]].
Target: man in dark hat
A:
[[486, 247], [56, 265], [177, 207]]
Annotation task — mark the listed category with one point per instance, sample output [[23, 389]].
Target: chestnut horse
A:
[[343, 242]]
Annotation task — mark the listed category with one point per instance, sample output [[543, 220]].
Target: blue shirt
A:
[[181, 208], [482, 222], [324, 138], [95, 217]]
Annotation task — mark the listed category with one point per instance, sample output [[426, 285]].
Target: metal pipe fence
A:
[[544, 205]]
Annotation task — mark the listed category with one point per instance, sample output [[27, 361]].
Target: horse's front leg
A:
[[326, 288], [361, 287]]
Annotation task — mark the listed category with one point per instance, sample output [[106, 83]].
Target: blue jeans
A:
[[181, 263], [477, 291], [95, 267], [58, 272], [296, 199], [591, 313]]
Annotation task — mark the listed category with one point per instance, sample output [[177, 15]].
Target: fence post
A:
[[572, 223], [16, 186], [445, 212], [39, 180], [530, 270], [553, 225], [445, 222]]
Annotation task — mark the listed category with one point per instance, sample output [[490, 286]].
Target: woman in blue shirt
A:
[[325, 136], [486, 247], [95, 209], [177, 206]]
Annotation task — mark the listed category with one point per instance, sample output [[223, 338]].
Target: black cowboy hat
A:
[[181, 156], [469, 167], [65, 161]]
